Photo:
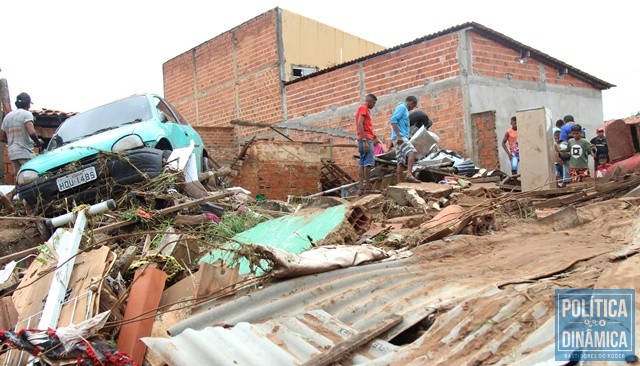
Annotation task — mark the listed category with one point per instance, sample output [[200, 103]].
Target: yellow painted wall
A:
[[307, 42]]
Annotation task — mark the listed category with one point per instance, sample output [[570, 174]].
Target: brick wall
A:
[[492, 59], [277, 169], [232, 76], [236, 76], [412, 67], [484, 125], [178, 78], [220, 142], [407, 68]]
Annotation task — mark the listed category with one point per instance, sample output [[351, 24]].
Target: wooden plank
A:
[[494, 179], [341, 349], [564, 200], [8, 313], [142, 305]]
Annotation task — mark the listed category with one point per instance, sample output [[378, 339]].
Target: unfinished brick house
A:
[[469, 78]]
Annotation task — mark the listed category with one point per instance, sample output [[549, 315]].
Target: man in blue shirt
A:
[[405, 152]]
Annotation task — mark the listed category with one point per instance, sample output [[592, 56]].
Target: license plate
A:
[[75, 179]]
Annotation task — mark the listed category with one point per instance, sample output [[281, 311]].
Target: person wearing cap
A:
[[599, 148], [18, 132]]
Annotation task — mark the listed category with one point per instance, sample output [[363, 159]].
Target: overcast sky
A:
[[75, 55]]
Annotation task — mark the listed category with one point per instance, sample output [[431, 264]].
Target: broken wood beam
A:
[[373, 179], [560, 201], [349, 345], [26, 218], [19, 255], [493, 179]]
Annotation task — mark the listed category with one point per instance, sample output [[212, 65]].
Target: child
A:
[[603, 166], [599, 146], [378, 147], [579, 149], [557, 159]]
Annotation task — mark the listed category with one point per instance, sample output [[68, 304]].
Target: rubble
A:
[[421, 272]]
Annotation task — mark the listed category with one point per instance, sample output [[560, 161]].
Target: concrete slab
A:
[[429, 189], [535, 138], [405, 196]]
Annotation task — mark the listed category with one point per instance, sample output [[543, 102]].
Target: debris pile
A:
[[171, 262]]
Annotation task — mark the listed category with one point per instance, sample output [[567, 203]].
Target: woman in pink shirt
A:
[[378, 147]]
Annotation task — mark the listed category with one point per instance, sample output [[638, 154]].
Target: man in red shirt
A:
[[364, 130]]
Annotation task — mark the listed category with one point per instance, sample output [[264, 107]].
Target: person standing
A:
[[513, 150], [599, 148], [405, 151], [565, 135], [557, 158], [19, 133], [364, 130], [579, 149]]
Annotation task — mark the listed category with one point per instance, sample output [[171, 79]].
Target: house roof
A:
[[44, 112], [50, 117], [491, 34]]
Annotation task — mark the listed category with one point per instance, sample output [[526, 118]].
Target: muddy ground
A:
[[17, 235]]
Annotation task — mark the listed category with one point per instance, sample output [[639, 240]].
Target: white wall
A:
[[507, 97]]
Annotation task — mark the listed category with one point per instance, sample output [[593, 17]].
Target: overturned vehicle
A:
[[96, 154]]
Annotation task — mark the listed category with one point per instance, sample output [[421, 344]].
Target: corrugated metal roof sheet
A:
[[293, 233], [493, 295], [362, 295], [487, 32], [284, 341]]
